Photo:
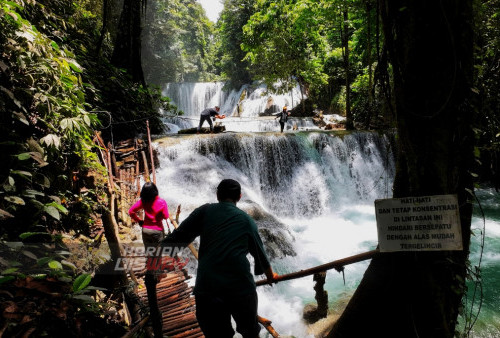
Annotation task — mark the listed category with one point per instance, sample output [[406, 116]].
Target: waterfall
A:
[[242, 107], [299, 175], [193, 97], [313, 194]]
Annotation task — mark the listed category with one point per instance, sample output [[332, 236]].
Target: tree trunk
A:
[[368, 7], [345, 43], [127, 52], [418, 294], [104, 28]]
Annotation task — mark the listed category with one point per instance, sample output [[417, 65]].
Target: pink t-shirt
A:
[[154, 213]]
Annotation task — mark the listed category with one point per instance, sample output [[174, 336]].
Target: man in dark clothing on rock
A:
[[207, 114], [224, 284]]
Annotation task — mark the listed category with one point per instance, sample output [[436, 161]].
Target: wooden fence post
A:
[[151, 153]]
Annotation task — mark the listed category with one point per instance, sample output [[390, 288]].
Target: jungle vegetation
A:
[[69, 69]]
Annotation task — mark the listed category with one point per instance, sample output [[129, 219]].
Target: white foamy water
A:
[[319, 186], [242, 107]]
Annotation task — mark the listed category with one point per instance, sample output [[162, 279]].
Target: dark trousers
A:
[[282, 124], [204, 118], [151, 238], [214, 315]]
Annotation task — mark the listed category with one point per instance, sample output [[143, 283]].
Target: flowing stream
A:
[[312, 196], [243, 108], [312, 191], [488, 322]]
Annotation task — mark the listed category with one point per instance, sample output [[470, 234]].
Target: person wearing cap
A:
[[224, 284], [283, 116], [206, 115]]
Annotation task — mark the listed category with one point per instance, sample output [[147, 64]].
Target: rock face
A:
[[318, 120], [333, 126], [271, 110], [310, 313], [275, 235], [204, 130]]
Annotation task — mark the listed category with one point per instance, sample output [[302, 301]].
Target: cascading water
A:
[[242, 107], [312, 196], [313, 192], [488, 321]]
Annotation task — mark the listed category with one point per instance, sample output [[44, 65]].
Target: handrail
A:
[[338, 264]]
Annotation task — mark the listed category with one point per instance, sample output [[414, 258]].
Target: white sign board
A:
[[426, 223]]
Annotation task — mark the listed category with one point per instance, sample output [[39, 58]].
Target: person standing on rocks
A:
[[283, 116]]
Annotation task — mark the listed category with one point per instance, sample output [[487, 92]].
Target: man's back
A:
[[208, 112], [227, 235], [224, 284]]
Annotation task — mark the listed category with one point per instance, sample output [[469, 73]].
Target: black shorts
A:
[[214, 315]]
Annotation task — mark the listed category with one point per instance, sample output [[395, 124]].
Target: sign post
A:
[[425, 223]]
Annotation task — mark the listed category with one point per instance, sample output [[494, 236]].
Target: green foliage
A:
[[486, 89], [368, 105], [286, 42], [81, 282], [113, 94], [233, 17], [48, 134], [39, 255], [177, 38], [54, 90], [37, 271]]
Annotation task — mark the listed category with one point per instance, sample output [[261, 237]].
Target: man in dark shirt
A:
[[207, 114], [224, 284]]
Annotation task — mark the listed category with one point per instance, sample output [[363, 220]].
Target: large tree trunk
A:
[[418, 294], [349, 125], [368, 7], [127, 51]]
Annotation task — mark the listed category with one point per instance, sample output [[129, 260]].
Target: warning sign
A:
[[425, 223]]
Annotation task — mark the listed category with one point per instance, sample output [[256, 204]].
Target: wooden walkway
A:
[[125, 163], [175, 300], [177, 306]]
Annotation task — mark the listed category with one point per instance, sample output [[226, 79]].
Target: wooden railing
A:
[[338, 264]]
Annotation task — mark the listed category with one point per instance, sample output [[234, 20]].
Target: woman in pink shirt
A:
[[155, 211]]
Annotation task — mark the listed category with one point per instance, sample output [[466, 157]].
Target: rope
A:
[[111, 123], [136, 120], [249, 119]]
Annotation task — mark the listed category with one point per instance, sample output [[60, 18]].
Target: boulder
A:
[[275, 235]]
